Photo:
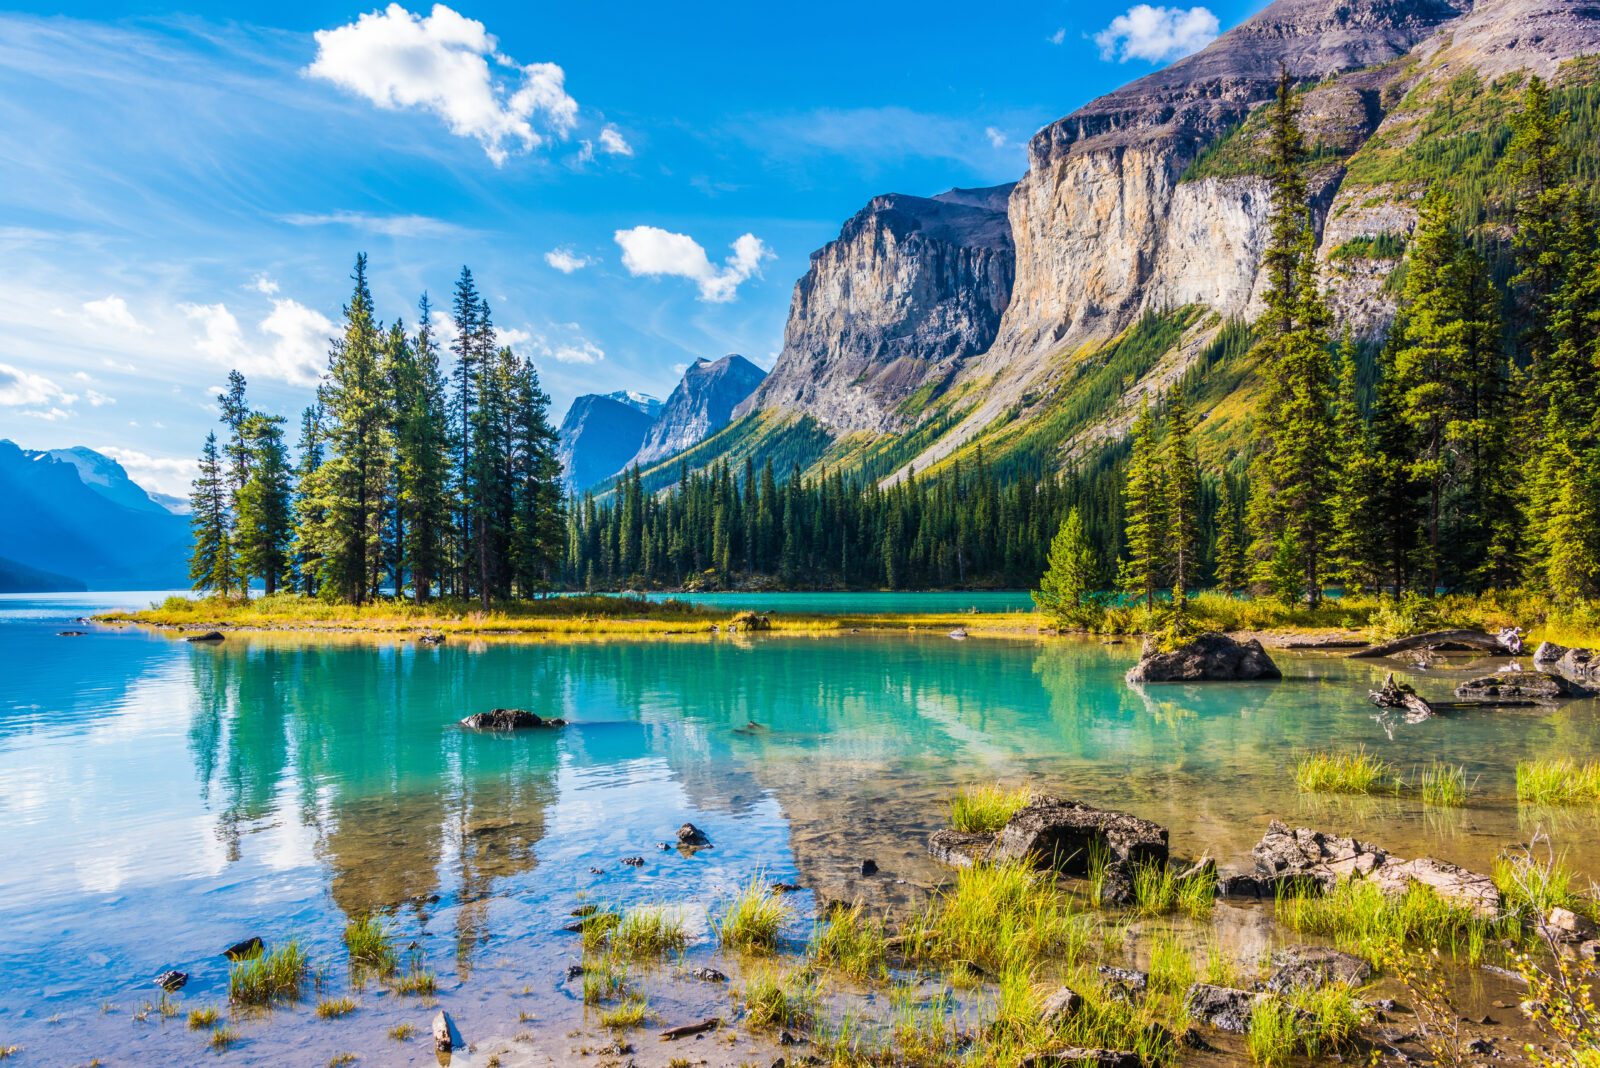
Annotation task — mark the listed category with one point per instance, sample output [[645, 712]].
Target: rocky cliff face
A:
[[702, 404], [599, 436], [910, 288]]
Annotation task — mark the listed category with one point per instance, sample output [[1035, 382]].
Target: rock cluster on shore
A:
[[1212, 657]]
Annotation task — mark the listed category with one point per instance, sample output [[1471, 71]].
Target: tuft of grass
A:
[[1340, 773], [595, 930], [223, 1038], [648, 933], [200, 1019], [402, 1032], [333, 1008], [370, 946], [339, 1060], [752, 921], [267, 977], [1171, 965], [629, 1014], [1558, 782], [1273, 1038], [995, 916], [851, 943], [9, 1051], [1443, 785], [985, 809], [1359, 918], [604, 977], [1155, 889], [772, 1002], [1197, 895], [419, 979], [1531, 886]]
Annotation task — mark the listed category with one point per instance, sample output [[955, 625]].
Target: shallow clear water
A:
[[865, 602], [159, 800]]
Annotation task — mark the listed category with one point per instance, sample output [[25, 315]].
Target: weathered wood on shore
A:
[[1476, 638], [1394, 694]]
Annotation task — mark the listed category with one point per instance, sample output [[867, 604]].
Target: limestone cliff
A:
[[910, 288]]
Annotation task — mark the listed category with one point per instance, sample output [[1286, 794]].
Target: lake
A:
[[161, 800]]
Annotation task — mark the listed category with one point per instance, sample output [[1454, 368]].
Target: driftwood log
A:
[[688, 1030], [1394, 694], [1489, 643]]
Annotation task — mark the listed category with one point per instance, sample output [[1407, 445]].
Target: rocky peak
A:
[[599, 435], [910, 288], [702, 404]]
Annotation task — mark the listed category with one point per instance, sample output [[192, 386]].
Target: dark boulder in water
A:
[[1519, 686], [172, 981], [250, 947], [1212, 657], [1080, 1056], [508, 719], [692, 837], [208, 636], [1313, 857]]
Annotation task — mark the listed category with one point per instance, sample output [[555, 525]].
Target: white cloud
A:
[[300, 351], [97, 399], [113, 311], [1058, 37], [1157, 34], [510, 337], [612, 142], [49, 415], [164, 474], [441, 63], [996, 138], [566, 261], [581, 350], [264, 285], [652, 251], [19, 388], [386, 225]]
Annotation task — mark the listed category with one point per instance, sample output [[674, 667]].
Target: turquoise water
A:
[[160, 801]]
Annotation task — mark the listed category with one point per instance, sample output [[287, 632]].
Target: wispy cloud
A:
[[566, 260], [385, 225], [19, 389], [1157, 34], [442, 63]]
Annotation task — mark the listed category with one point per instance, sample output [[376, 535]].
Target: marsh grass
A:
[[1359, 918], [334, 1008], [1272, 1039], [1155, 889], [1558, 782], [418, 979], [629, 1014], [266, 977], [649, 933], [1442, 785], [223, 1038], [202, 1018], [1340, 773], [995, 916], [370, 946], [595, 930], [852, 943], [985, 809], [402, 1032], [1532, 884], [1171, 965], [753, 919], [605, 977], [773, 1001]]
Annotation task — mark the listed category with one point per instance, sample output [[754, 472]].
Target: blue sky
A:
[[634, 185]]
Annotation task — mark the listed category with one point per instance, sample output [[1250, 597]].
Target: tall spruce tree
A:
[[1355, 547], [422, 445], [1145, 512], [1183, 497], [1228, 549], [211, 562], [265, 522], [308, 517], [1070, 573]]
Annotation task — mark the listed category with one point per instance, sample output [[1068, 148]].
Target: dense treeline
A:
[[408, 482]]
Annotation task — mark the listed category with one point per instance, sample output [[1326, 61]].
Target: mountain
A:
[[1128, 257], [106, 477], [640, 401], [20, 578], [702, 404], [94, 533], [600, 434]]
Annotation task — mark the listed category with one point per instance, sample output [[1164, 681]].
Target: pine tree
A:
[[1536, 169], [264, 525], [1145, 513], [422, 446], [1069, 579], [1355, 548], [308, 515], [211, 564], [540, 521], [1183, 497], [1229, 548]]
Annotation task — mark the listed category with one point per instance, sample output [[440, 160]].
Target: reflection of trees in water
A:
[[403, 803]]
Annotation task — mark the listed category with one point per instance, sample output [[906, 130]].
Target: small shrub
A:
[[985, 809], [1340, 773], [752, 922]]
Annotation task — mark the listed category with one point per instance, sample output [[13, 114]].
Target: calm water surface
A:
[[159, 801]]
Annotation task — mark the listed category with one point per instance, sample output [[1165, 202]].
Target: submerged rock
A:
[[708, 975], [1564, 925], [1313, 857], [250, 947], [1222, 1007], [1131, 980], [1520, 686], [692, 837], [1310, 967], [1212, 657], [431, 639], [508, 719], [208, 636], [960, 849], [172, 981]]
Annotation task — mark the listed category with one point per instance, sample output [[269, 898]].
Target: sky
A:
[[183, 191]]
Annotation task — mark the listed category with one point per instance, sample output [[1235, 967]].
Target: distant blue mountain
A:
[[75, 516], [600, 434], [19, 578]]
